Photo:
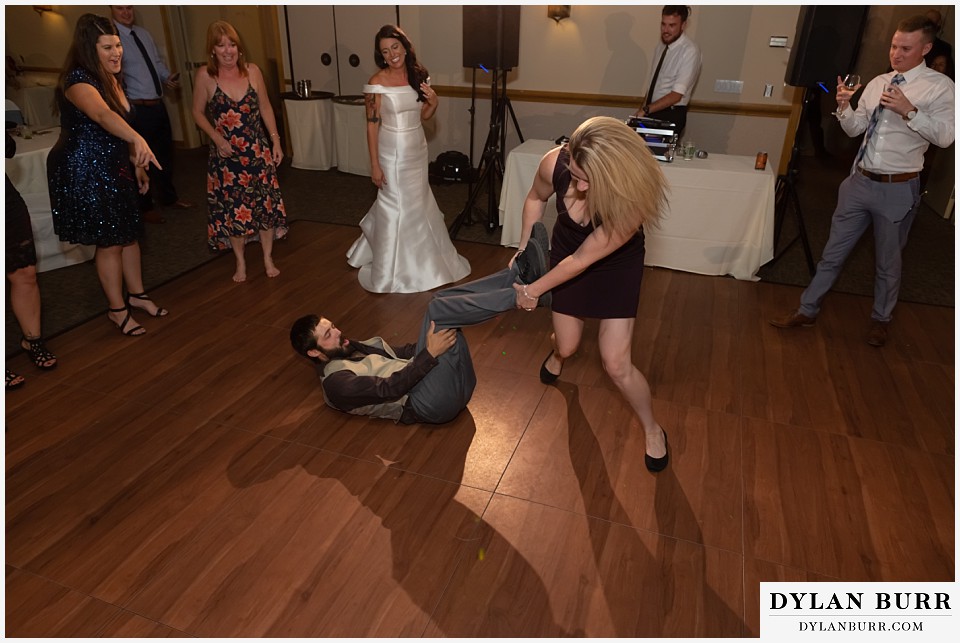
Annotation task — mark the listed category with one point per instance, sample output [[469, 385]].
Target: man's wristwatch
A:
[[910, 115]]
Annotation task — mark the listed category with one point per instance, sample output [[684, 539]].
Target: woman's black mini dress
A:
[[608, 289]]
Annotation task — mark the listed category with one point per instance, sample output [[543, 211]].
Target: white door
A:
[[313, 46], [356, 28], [332, 45]]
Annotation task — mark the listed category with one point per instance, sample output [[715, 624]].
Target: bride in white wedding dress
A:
[[404, 245]]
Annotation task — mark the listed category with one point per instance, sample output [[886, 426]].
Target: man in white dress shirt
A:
[[900, 114], [145, 76], [674, 70]]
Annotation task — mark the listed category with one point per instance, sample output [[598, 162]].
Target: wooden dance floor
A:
[[191, 482]]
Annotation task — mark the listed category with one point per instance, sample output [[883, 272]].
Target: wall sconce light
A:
[[42, 8], [558, 11]]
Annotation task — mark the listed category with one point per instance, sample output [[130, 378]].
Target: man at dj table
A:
[[674, 70]]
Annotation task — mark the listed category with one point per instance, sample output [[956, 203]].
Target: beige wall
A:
[[600, 49], [42, 40], [606, 49]]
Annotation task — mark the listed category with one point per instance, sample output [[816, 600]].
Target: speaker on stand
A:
[[491, 42], [825, 46]]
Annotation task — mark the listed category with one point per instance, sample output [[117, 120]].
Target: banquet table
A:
[[28, 173], [311, 129], [350, 131], [719, 218]]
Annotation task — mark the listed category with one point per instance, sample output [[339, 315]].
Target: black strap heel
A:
[[129, 332], [161, 312]]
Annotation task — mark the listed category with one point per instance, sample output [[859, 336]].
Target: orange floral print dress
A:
[[243, 193]]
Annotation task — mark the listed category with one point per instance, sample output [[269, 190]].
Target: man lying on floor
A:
[[432, 380]]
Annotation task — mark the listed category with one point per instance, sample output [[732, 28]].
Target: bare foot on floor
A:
[[272, 270], [240, 275]]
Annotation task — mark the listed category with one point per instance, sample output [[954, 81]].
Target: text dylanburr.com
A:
[[858, 611]]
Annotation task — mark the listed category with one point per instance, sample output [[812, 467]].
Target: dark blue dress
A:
[[93, 188]]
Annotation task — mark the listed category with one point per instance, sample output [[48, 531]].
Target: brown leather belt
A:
[[888, 178], [148, 102]]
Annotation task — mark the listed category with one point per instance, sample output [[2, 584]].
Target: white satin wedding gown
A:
[[404, 245]]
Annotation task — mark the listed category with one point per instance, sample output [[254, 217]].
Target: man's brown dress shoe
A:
[[153, 216], [793, 320], [878, 333], [180, 204]]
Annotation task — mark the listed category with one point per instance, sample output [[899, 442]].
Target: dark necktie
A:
[[146, 58], [653, 81], [872, 125]]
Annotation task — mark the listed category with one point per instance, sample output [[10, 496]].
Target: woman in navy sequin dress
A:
[[608, 186], [97, 166], [231, 106]]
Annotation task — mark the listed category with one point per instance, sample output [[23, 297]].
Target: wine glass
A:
[[849, 81]]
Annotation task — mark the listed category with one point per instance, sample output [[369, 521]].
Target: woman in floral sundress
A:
[[231, 106]]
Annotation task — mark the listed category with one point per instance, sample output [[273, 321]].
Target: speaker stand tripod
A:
[[786, 199], [490, 169]]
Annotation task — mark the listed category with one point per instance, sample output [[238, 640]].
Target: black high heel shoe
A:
[[655, 465], [134, 330], [161, 312], [546, 376]]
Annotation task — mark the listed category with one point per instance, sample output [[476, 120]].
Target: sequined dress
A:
[[93, 188], [243, 193]]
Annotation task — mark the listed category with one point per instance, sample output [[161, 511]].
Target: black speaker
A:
[[491, 36], [826, 44]]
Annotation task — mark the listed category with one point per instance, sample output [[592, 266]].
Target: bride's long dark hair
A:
[[416, 73]]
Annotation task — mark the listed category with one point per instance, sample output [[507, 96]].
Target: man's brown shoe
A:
[[793, 320], [153, 216], [878, 333], [180, 204]]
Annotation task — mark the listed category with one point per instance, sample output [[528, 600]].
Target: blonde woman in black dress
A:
[[608, 186]]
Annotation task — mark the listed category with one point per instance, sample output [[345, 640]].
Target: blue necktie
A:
[[872, 126]]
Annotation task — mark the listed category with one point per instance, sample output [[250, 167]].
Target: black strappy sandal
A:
[[14, 381], [38, 352], [161, 312], [129, 332]]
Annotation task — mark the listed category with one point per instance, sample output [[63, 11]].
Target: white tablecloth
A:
[[28, 173], [350, 125], [311, 127], [36, 105], [719, 219], [28, 168]]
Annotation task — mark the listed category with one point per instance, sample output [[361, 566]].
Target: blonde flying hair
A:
[[627, 187], [215, 32]]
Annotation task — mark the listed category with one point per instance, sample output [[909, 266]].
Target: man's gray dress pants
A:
[[891, 208], [446, 390]]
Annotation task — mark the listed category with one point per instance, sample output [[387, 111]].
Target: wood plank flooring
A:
[[191, 482]]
